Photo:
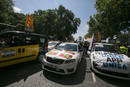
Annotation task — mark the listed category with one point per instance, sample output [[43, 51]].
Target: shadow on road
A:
[[72, 79], [17, 72], [114, 81]]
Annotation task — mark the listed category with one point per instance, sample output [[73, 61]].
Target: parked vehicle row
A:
[[61, 57]]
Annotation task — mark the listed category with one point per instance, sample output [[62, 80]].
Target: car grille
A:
[[55, 61]]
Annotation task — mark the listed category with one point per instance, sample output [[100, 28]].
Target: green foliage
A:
[[112, 17], [19, 20], [8, 16], [5, 9], [59, 23], [124, 38]]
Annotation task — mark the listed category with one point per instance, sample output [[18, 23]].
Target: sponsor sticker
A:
[[112, 56], [115, 65], [8, 53]]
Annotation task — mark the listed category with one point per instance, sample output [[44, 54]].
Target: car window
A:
[[107, 48], [68, 47], [71, 47], [50, 44], [60, 47]]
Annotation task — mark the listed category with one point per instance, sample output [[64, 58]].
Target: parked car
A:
[[53, 44], [64, 59], [105, 61]]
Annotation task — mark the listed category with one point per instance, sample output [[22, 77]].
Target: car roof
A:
[[53, 41], [102, 44], [69, 43], [21, 32]]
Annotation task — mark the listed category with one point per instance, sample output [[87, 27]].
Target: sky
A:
[[82, 9]]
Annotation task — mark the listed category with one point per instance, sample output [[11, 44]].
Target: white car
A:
[[63, 59], [53, 44], [105, 61]]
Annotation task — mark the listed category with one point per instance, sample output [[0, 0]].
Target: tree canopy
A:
[[8, 16], [112, 17], [59, 23]]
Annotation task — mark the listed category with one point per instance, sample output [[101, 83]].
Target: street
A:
[[30, 74]]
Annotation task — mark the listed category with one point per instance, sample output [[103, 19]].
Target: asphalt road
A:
[[30, 74]]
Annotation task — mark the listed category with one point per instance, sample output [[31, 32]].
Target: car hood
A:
[[112, 61], [62, 54]]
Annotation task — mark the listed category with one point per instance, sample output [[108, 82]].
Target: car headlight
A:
[[69, 61]]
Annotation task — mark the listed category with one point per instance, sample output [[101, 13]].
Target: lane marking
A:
[[93, 76]]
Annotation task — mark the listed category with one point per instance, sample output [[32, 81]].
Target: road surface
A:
[[30, 74]]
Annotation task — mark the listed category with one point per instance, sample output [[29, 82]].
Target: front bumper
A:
[[110, 73], [62, 69]]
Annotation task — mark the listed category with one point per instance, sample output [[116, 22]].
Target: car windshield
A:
[[68, 47], [107, 48], [50, 44], [71, 47]]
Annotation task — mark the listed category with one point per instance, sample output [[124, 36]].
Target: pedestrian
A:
[[124, 49], [85, 47]]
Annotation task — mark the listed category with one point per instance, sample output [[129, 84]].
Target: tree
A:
[[5, 9], [60, 23], [112, 17], [124, 38], [17, 19], [67, 23], [8, 16]]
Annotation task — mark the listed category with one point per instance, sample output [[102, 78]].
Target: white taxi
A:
[[105, 61], [64, 59]]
